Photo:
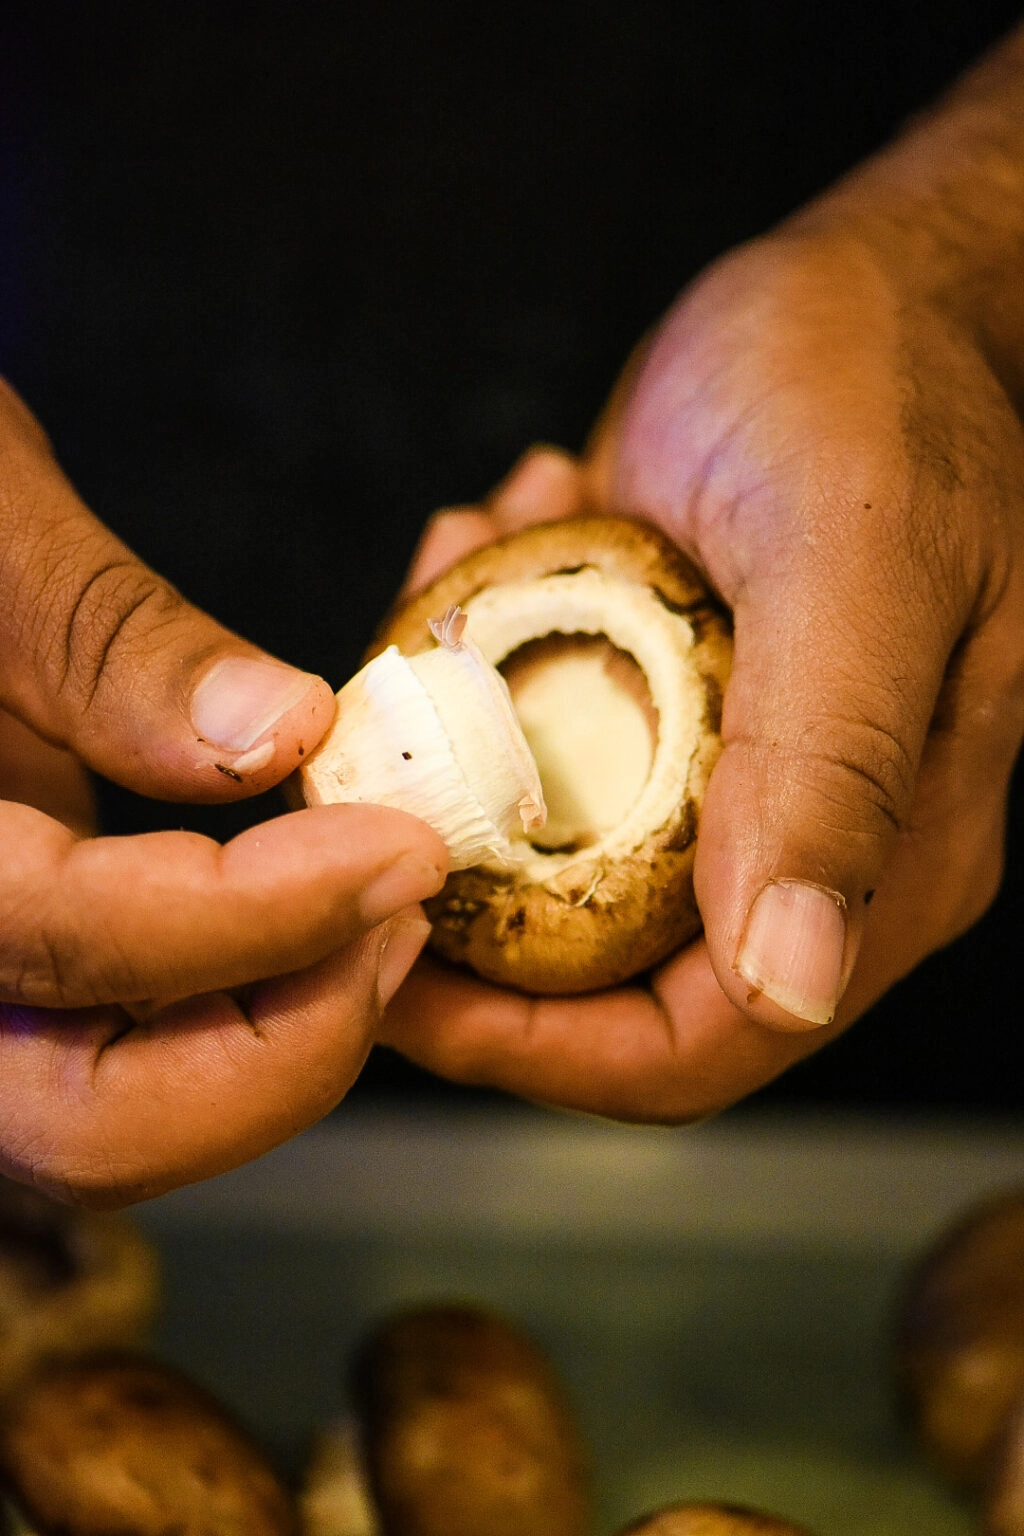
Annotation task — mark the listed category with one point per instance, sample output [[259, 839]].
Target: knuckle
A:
[[866, 774], [108, 609], [40, 974], [54, 969]]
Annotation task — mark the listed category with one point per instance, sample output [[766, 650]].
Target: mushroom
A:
[[1004, 1490], [711, 1520], [70, 1281], [126, 1445], [466, 1429], [960, 1338], [572, 851]]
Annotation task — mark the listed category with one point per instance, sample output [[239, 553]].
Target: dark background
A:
[[281, 278]]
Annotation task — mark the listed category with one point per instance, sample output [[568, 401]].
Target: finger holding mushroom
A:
[[569, 792]]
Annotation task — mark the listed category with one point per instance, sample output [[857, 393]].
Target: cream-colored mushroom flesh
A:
[[611, 785], [586, 713]]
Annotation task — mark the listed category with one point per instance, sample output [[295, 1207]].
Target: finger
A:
[[546, 484], [105, 1115], [947, 864], [449, 536], [839, 660], [684, 1051], [674, 1054], [34, 772], [105, 658], [172, 913]]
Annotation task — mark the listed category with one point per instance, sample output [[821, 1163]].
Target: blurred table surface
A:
[[719, 1300]]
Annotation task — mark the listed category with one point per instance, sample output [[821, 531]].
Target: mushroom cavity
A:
[[588, 719]]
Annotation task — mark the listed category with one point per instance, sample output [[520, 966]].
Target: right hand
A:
[[838, 454], [168, 1007]]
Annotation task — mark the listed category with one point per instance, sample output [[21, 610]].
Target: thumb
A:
[[836, 676], [103, 656]]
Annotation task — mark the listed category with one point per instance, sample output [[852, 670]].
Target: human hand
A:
[[835, 450], [168, 1008]]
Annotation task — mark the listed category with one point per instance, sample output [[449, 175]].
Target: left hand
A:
[[168, 1007]]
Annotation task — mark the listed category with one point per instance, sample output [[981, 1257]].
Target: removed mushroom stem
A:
[[435, 735], [336, 1500]]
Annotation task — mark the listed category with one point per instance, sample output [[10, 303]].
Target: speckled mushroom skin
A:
[[466, 1429], [595, 924], [711, 1520], [124, 1446], [960, 1338]]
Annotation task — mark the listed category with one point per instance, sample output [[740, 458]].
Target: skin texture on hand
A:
[[823, 427], [168, 1007]]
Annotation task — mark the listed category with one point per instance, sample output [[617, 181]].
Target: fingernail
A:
[[240, 699], [792, 949], [408, 880], [403, 939], [537, 476]]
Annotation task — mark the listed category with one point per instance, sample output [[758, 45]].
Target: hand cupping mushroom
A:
[[569, 793]]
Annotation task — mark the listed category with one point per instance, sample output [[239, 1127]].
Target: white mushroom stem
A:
[[336, 1499], [435, 735]]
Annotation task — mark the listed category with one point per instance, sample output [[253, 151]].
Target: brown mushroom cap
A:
[[466, 1430], [960, 1338], [1004, 1491], [71, 1281], [593, 922], [711, 1520], [122, 1446]]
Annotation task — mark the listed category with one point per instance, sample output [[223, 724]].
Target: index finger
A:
[[544, 485], [168, 914]]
